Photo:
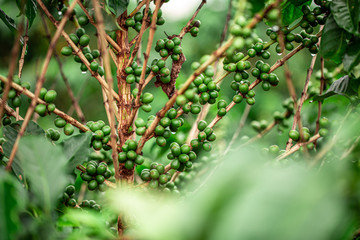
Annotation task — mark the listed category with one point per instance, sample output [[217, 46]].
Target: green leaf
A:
[[352, 55], [346, 14], [11, 204], [10, 133], [257, 5], [44, 166], [117, 7], [30, 11], [299, 2], [9, 22], [343, 86], [77, 149], [333, 41], [241, 192], [292, 11]]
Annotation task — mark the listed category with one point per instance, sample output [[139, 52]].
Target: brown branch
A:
[[12, 65], [146, 59], [238, 130], [142, 30], [78, 52], [266, 130], [10, 111], [322, 84], [297, 146], [39, 83], [138, 7], [91, 20], [187, 26], [74, 101], [61, 114], [23, 51], [100, 29]]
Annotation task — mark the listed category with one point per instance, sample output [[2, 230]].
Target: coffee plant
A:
[[253, 137]]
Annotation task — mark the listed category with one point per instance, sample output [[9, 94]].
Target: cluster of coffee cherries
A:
[[169, 47], [69, 200], [155, 175], [95, 175], [49, 97], [128, 156], [181, 156], [90, 205], [69, 196], [14, 99], [52, 134], [136, 21], [61, 123], [205, 136], [159, 68], [82, 40], [194, 27], [314, 17], [323, 131], [205, 88], [168, 124], [133, 73], [101, 134]]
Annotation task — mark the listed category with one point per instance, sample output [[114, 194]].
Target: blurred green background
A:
[[243, 192]]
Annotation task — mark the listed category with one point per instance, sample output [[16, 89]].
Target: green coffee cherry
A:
[[50, 96], [84, 40], [66, 51], [68, 129]]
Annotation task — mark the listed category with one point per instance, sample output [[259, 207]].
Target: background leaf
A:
[[12, 202], [30, 11], [77, 149], [10, 133], [9, 22], [352, 55], [257, 5], [333, 41], [44, 166], [346, 14], [292, 11], [343, 86], [243, 199], [117, 7]]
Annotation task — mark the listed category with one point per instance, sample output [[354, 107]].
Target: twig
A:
[[238, 130], [77, 51], [138, 7], [146, 59], [23, 51], [333, 141], [10, 111], [91, 20], [61, 114], [322, 84], [297, 146], [100, 29], [70, 111], [75, 103], [142, 30], [187, 26], [39, 83], [12, 65]]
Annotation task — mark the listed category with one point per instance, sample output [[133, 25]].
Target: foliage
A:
[[176, 107]]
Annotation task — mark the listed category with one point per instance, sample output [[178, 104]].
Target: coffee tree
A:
[[55, 178]]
